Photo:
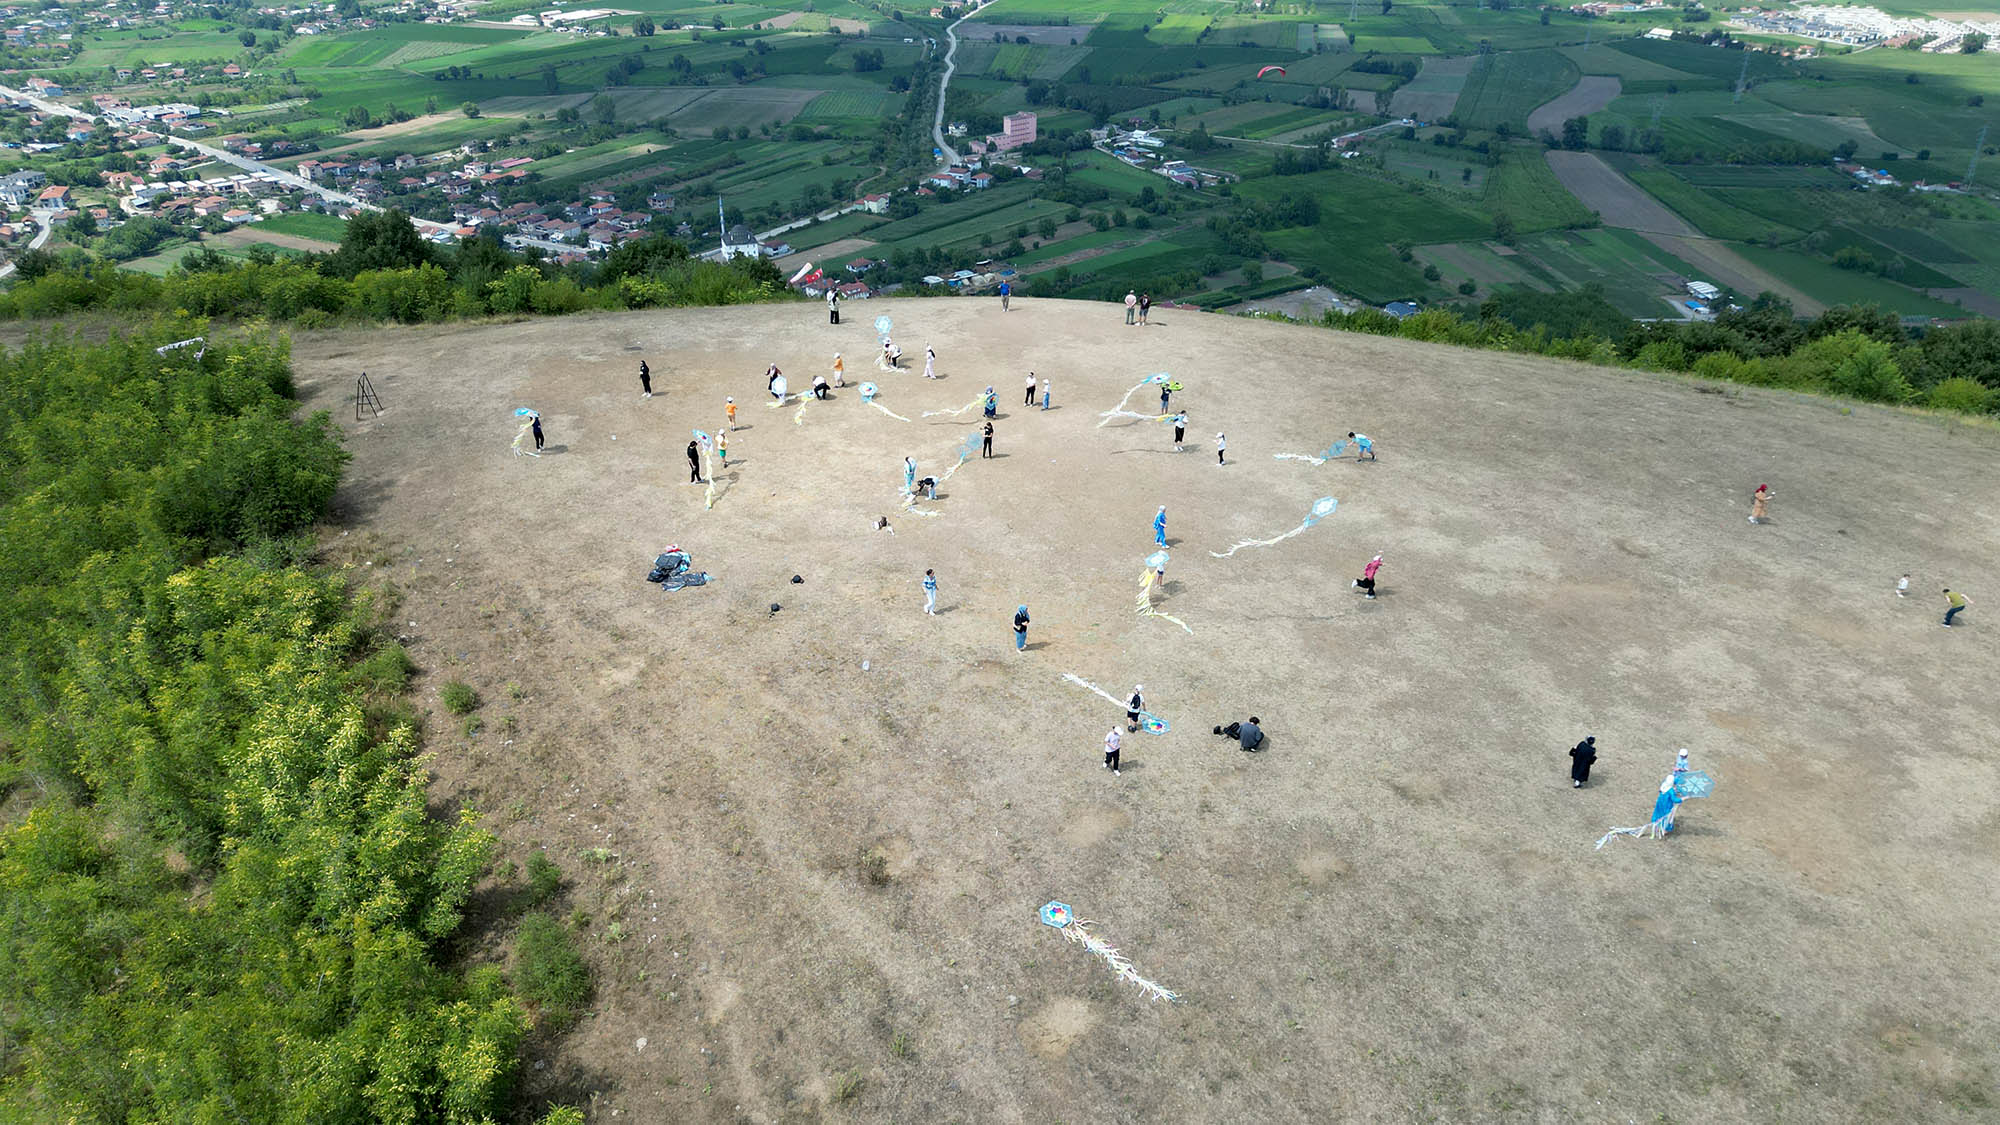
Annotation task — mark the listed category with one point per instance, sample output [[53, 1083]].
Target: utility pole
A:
[[1742, 78], [1659, 107], [1978, 146]]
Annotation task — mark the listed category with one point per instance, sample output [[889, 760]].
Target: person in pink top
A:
[[1367, 580]]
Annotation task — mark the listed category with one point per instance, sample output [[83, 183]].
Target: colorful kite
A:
[[1058, 916], [1321, 458], [882, 326], [1680, 786], [1322, 508], [868, 393], [1156, 565], [1119, 411], [778, 392], [966, 449], [1269, 69], [528, 419], [706, 443], [1148, 722]]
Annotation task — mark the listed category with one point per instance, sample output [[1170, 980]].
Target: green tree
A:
[[550, 81], [1973, 43], [377, 240], [643, 26], [604, 109], [470, 109]]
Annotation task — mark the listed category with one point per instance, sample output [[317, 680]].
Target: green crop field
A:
[[1506, 88], [1825, 282], [1530, 194], [304, 224], [837, 104], [1709, 212], [851, 225]]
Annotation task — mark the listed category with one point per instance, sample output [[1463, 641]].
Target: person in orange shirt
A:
[[729, 408], [839, 370]]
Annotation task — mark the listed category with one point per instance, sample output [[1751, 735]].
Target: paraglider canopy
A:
[[1269, 69]]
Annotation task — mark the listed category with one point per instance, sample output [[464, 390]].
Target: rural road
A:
[[40, 240], [944, 83]]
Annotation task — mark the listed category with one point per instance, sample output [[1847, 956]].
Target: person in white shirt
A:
[[930, 592], [1111, 739], [1029, 400], [1221, 446]]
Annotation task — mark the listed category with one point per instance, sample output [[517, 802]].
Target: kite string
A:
[[889, 412]]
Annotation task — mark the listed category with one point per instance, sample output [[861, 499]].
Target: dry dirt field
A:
[[826, 875]]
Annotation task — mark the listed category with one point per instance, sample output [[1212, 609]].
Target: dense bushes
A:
[[1856, 352], [222, 889], [384, 272]]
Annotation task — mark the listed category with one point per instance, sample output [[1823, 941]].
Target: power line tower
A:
[[1742, 78], [365, 397], [1659, 104], [1978, 146], [1353, 12]]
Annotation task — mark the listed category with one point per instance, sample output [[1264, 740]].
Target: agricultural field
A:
[[795, 108]]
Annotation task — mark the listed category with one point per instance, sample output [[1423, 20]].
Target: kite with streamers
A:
[[1322, 508], [1119, 411], [1057, 915], [1682, 785], [1156, 565], [976, 400], [706, 443], [799, 416], [778, 394], [966, 449], [528, 419], [1320, 458], [868, 393], [882, 326], [1148, 722]]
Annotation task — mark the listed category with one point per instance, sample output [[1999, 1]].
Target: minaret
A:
[[722, 227]]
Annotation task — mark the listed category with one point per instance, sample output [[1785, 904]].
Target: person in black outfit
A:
[[1581, 758], [645, 379], [1247, 734], [1133, 707], [986, 441], [694, 462], [538, 433]]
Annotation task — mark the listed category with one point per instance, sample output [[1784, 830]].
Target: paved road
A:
[[944, 84], [41, 239]]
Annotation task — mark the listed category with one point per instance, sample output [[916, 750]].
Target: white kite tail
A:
[[959, 411], [1657, 830], [1079, 681], [1104, 951], [1260, 542], [889, 412], [799, 419], [910, 506], [1119, 410], [1298, 457]]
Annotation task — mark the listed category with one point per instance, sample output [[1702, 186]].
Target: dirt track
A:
[[1622, 203], [1591, 93], [826, 877]]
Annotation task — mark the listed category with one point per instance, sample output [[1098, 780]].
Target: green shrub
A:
[[458, 697], [1967, 396], [385, 671], [544, 879], [548, 971]]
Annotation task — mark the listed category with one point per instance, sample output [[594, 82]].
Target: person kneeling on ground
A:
[[1248, 733]]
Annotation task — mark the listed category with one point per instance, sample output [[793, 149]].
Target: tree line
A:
[[1858, 352], [383, 270]]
